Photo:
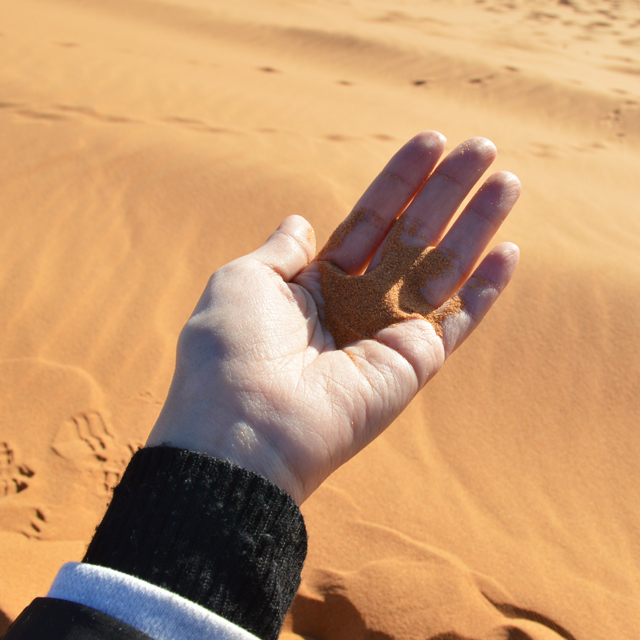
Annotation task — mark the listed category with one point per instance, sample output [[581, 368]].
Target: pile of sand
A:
[[147, 142]]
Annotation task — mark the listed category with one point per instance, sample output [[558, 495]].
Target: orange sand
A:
[[146, 142], [388, 294]]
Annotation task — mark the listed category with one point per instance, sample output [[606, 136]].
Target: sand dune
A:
[[147, 142]]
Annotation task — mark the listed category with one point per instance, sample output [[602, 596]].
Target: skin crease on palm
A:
[[259, 380]]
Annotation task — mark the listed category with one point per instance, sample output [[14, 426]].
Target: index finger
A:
[[352, 244]]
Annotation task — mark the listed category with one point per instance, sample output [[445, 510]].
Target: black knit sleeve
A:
[[212, 532]]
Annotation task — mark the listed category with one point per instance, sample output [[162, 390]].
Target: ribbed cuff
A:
[[214, 533]]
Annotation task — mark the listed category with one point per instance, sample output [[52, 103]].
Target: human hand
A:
[[259, 380]]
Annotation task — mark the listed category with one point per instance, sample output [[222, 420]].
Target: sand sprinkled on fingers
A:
[[357, 307]]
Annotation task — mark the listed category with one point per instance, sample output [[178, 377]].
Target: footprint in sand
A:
[[196, 125], [481, 81], [542, 150], [86, 440], [37, 523], [36, 114], [14, 477], [90, 112]]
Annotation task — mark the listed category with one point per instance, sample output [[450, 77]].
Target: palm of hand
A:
[[259, 380]]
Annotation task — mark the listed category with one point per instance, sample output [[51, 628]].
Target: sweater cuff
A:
[[209, 531]]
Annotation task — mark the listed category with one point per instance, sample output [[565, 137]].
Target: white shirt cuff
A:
[[159, 613]]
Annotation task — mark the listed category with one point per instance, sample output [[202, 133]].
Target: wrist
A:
[[232, 440]]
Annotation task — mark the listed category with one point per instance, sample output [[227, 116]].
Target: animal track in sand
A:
[[191, 122], [630, 71], [62, 112], [337, 137], [35, 114], [90, 112], [147, 396], [616, 119], [14, 477], [196, 125], [542, 150], [37, 522], [482, 80], [86, 439]]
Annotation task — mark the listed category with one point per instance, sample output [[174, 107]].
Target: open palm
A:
[[259, 379]]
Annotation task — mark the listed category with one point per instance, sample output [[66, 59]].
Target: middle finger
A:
[[435, 204]]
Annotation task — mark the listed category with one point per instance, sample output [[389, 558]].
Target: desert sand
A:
[[144, 143]]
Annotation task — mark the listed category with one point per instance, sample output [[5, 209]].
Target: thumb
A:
[[289, 249]]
